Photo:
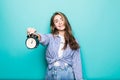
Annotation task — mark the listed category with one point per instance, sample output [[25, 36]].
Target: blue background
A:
[[95, 23]]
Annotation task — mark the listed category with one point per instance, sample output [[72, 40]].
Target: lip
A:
[[59, 26]]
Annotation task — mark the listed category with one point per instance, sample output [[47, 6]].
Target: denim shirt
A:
[[71, 57]]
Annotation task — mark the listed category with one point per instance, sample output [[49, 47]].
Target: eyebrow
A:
[[57, 19]]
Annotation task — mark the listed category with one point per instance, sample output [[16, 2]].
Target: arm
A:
[[77, 66], [44, 38]]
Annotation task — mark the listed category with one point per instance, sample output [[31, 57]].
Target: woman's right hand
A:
[[31, 30]]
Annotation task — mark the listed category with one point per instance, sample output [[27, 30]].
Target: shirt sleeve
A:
[[44, 39], [77, 66]]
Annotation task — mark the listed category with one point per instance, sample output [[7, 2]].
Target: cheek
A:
[[56, 24]]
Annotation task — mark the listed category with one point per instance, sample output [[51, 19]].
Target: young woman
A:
[[63, 51]]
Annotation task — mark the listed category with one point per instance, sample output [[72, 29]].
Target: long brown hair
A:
[[69, 38]]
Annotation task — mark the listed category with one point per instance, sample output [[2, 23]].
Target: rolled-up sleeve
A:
[[44, 39], [77, 66]]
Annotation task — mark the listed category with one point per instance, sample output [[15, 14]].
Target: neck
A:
[[61, 33]]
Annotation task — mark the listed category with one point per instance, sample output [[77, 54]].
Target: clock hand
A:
[[31, 41]]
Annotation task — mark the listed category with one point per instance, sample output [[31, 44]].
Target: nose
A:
[[60, 22]]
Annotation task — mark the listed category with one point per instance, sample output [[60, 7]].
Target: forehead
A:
[[57, 17]]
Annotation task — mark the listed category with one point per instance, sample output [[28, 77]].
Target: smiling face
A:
[[59, 23]]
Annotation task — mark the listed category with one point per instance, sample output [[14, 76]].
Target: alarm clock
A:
[[32, 41]]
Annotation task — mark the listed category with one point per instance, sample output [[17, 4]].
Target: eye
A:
[[55, 21], [62, 19]]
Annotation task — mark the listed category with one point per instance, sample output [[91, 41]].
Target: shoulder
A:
[[50, 35], [47, 35]]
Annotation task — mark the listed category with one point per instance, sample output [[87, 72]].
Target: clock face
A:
[[31, 43]]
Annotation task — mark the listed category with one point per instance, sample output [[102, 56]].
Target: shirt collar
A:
[[58, 35]]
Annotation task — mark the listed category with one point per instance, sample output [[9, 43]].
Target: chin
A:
[[61, 29]]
